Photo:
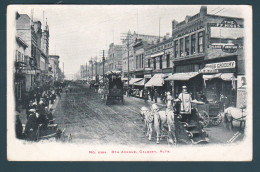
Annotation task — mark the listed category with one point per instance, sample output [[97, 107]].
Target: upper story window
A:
[[193, 42], [168, 60], [181, 47], [149, 63], [187, 45], [142, 61], [160, 62], [154, 63], [201, 42], [176, 48]]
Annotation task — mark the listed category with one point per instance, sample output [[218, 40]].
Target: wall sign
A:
[[229, 22], [222, 65]]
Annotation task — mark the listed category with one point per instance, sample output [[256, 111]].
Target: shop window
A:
[[181, 47], [154, 63], [187, 45], [168, 60], [201, 42], [176, 48], [149, 63], [193, 42], [160, 62]]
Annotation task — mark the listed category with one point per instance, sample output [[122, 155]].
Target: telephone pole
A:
[[103, 59]]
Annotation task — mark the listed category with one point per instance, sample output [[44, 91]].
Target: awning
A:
[[133, 80], [157, 54], [182, 76], [124, 79], [157, 80], [140, 83], [224, 76]]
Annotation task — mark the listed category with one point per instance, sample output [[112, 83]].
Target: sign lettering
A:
[[222, 65]]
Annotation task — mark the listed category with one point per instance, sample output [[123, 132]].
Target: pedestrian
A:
[[145, 95], [155, 95], [152, 93]]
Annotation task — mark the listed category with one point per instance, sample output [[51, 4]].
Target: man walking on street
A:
[[155, 95]]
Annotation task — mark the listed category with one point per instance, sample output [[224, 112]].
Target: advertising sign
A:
[[222, 65]]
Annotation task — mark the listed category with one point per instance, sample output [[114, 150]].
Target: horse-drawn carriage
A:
[[113, 87], [170, 123]]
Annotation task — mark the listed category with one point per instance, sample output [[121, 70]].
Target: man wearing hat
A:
[[185, 99]]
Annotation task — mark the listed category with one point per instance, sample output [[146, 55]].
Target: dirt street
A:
[[90, 121]]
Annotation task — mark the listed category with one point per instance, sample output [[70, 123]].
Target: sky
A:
[[80, 32]]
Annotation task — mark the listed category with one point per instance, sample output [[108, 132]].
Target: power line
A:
[[219, 11]]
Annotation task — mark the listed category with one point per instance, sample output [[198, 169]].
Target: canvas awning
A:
[[182, 76], [157, 54], [140, 83], [133, 80], [157, 80], [224, 76]]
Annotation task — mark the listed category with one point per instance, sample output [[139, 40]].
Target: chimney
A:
[[203, 10]]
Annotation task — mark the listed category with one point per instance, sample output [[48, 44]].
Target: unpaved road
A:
[[90, 121]]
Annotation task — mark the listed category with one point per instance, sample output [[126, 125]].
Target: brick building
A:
[[208, 51], [114, 57]]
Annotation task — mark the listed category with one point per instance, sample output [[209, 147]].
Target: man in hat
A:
[[185, 99]]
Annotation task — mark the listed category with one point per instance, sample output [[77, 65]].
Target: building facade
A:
[[128, 53], [209, 49], [114, 58]]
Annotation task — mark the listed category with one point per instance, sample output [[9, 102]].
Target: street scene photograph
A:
[[157, 79]]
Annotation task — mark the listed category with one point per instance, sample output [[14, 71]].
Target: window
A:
[[168, 60], [176, 48], [181, 47], [193, 42], [201, 42], [136, 62], [149, 63], [160, 62], [19, 57], [16, 55], [187, 45], [154, 63], [142, 60]]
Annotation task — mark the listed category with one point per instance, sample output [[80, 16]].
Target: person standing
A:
[[152, 93], [155, 95], [185, 99]]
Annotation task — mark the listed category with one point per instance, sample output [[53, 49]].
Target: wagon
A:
[[113, 87], [210, 112]]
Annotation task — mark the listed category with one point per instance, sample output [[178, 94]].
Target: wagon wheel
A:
[[204, 118], [216, 120]]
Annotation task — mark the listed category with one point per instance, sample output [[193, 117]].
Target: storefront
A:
[[219, 80], [192, 80]]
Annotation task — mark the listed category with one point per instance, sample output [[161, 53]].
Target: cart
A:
[[210, 112]]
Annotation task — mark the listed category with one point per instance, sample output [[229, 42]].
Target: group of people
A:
[[38, 112]]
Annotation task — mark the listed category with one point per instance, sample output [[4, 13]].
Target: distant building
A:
[[128, 44], [115, 57]]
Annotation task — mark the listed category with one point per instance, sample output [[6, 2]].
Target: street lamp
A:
[[103, 59]]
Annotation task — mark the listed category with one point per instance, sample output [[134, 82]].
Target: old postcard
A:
[[129, 83]]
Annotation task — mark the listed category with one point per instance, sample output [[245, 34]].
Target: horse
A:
[[160, 120], [232, 113]]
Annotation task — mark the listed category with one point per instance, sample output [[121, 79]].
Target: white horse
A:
[[232, 113], [160, 120]]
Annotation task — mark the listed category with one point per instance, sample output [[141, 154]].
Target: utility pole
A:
[[103, 59], [86, 70], [128, 75]]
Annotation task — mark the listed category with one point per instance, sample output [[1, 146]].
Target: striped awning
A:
[[182, 76], [157, 80]]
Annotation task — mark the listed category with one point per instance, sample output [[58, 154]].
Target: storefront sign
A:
[[207, 70], [226, 48], [222, 65]]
